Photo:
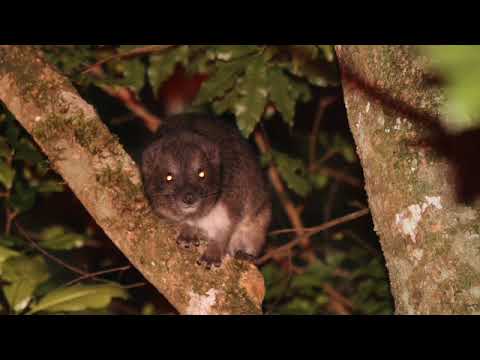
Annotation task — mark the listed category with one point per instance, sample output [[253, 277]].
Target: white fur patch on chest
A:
[[215, 222]]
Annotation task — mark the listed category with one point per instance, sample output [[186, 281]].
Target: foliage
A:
[[26, 178], [79, 298], [275, 86], [361, 279], [458, 67]]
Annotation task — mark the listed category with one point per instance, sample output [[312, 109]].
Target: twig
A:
[[277, 183], [323, 104], [9, 217], [340, 176], [328, 155], [309, 232], [134, 52], [50, 256], [336, 295], [316, 229], [362, 243], [151, 121], [329, 203], [98, 273], [134, 286]]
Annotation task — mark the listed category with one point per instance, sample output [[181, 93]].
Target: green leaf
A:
[[5, 254], [42, 167], [306, 64], [51, 186], [227, 102], [5, 150], [134, 74], [298, 306], [79, 298], [281, 94], [23, 198], [127, 73], [26, 151], [328, 52], [200, 61], [11, 241], [274, 281], [293, 171], [222, 80], [345, 148], [266, 159], [314, 277], [7, 174], [12, 132], [458, 67], [58, 238], [231, 52], [300, 90], [149, 309], [319, 181], [71, 59], [335, 259], [254, 91], [162, 66], [24, 274], [322, 300]]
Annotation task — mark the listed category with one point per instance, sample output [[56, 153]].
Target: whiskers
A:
[[208, 196]]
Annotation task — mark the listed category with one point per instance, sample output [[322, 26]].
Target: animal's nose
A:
[[189, 199]]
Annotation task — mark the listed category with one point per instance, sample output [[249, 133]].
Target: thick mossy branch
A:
[[429, 238], [107, 182]]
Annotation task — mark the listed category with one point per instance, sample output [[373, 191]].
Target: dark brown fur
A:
[[231, 204]]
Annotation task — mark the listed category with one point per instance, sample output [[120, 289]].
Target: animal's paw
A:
[[186, 240], [243, 256], [209, 261]]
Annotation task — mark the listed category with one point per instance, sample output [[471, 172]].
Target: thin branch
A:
[[135, 286], [9, 218], [151, 121], [329, 204], [135, 52], [334, 294], [323, 105], [339, 176], [308, 232], [48, 255], [275, 179], [316, 229], [327, 156], [98, 273], [363, 243]]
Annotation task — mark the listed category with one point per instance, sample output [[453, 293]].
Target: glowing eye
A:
[[169, 178], [202, 174]]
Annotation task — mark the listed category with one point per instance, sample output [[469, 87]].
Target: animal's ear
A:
[[148, 156], [212, 151]]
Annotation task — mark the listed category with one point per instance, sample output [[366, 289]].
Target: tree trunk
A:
[[107, 182], [414, 180]]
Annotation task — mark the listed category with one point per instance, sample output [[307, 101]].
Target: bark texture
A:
[[108, 183], [430, 239]]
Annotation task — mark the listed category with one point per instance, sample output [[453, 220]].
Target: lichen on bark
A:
[[107, 181], [430, 239]]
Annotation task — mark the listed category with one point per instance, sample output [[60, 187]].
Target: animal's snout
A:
[[190, 199]]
